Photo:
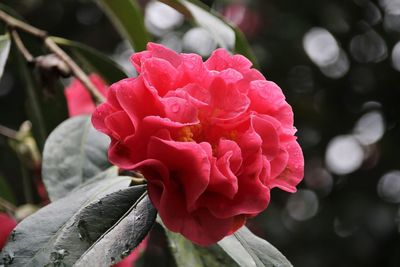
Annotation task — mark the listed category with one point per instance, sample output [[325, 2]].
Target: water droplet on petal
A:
[[175, 107]]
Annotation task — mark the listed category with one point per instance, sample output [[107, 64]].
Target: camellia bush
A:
[[194, 145]]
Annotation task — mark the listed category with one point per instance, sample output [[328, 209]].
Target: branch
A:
[[18, 24], [76, 70], [14, 24], [7, 132], [21, 47]]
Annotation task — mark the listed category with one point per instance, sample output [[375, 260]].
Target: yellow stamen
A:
[[186, 134]]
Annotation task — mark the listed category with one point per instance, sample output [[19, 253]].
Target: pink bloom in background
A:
[[212, 138], [242, 16], [79, 100], [7, 224]]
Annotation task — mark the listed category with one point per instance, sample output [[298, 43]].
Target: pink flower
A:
[[7, 224], [242, 16], [212, 138], [79, 100]]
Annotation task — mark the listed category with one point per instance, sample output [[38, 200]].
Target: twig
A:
[[14, 24], [7, 132], [21, 47], [18, 24], [76, 70]]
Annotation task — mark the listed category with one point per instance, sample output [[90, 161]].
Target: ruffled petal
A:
[[226, 101], [180, 110], [161, 79], [137, 100], [187, 163], [293, 173], [100, 114], [119, 125]]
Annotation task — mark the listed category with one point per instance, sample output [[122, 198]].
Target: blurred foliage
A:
[[338, 217]]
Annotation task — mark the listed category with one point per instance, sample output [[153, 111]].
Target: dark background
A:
[[339, 217]]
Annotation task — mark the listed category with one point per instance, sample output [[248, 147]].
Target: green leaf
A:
[[93, 60], [92, 221], [183, 250], [128, 19], [248, 250], [52, 234], [34, 104], [123, 237], [73, 153], [5, 44], [188, 254], [225, 34]]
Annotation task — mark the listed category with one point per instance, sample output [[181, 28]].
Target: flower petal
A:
[[180, 110], [161, 79], [187, 162], [289, 178], [79, 100]]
